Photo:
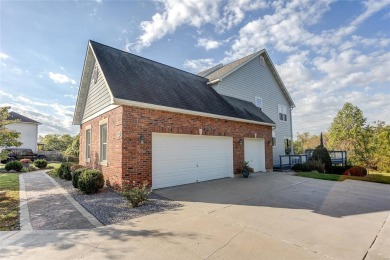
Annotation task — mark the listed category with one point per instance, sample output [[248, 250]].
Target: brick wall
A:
[[113, 172], [133, 162]]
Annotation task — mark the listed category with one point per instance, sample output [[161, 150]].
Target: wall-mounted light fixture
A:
[[241, 142], [142, 139]]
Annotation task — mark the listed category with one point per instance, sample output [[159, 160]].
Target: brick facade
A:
[[129, 160]]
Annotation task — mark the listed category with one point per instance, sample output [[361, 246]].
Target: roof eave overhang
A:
[[125, 102]]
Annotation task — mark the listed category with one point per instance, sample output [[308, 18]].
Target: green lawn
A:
[[9, 205], [379, 177]]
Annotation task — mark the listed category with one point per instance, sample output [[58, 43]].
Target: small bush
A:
[[339, 169], [14, 165], [90, 181], [322, 154], [301, 167], [316, 165], [31, 168], [137, 195], [356, 171], [66, 172], [40, 163], [76, 175], [74, 167]]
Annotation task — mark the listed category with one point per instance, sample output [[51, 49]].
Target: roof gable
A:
[[138, 80], [235, 65]]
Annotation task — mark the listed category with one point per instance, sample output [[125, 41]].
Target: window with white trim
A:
[[282, 110], [259, 102], [103, 142], [88, 145], [287, 145]]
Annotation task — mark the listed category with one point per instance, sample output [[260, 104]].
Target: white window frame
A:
[[88, 145], [101, 144], [282, 111], [261, 102]]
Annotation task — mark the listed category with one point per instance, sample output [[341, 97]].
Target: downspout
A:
[[292, 142]]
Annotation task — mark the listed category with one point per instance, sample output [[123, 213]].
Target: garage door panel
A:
[[182, 159], [254, 152]]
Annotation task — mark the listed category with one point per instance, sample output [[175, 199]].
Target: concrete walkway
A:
[[47, 206]]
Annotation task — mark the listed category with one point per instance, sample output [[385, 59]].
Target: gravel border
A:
[[110, 207]]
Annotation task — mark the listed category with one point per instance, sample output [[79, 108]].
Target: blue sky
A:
[[327, 52]]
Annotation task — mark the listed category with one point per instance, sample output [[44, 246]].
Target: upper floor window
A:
[[282, 110], [259, 102]]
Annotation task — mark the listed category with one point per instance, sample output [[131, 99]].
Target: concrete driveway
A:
[[269, 216]]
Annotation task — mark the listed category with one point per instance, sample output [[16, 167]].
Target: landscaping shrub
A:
[[322, 154], [137, 195], [90, 181], [14, 165], [76, 175], [74, 167], [40, 163], [301, 167], [31, 168], [66, 172], [356, 171], [339, 169]]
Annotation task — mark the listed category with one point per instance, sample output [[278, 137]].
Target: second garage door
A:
[[254, 151], [181, 159]]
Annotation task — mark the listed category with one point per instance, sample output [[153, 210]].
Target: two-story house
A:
[[254, 79], [141, 120]]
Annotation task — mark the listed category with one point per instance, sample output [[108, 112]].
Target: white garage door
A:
[[254, 150], [181, 159]]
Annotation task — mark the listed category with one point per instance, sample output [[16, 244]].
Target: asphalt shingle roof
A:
[[131, 77], [23, 119]]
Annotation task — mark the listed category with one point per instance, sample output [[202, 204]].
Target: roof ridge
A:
[[129, 53], [256, 52]]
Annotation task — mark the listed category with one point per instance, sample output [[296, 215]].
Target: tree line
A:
[[367, 144]]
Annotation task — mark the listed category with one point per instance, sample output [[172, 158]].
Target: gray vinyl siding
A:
[[98, 96], [253, 80]]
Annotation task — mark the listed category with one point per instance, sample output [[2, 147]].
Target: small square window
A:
[[259, 102], [282, 110]]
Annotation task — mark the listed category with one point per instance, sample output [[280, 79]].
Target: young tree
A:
[[347, 132], [380, 146], [56, 142], [7, 137]]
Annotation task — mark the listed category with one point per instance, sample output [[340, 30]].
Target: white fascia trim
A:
[[29, 123], [125, 102], [101, 112]]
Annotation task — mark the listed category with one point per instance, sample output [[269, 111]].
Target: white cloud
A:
[[175, 13], [3, 56], [55, 118], [70, 96], [61, 78], [199, 64], [223, 15], [208, 44], [234, 12]]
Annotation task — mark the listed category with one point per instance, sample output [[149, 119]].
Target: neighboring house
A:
[[254, 79], [141, 120], [28, 129]]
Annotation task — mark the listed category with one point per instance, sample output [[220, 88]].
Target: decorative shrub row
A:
[[87, 180]]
